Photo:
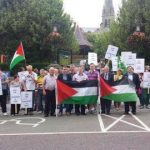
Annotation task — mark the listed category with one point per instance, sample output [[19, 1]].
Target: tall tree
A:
[[122, 32], [32, 22]]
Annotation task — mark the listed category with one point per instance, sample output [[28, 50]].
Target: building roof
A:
[[81, 38]]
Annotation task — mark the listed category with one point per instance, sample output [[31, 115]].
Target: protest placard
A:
[[26, 99], [15, 95], [130, 60], [139, 66], [92, 58], [146, 80], [114, 63], [111, 52]]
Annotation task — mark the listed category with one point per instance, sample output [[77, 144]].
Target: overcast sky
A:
[[87, 13]]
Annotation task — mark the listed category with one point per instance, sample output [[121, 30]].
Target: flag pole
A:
[[99, 94], [24, 55], [56, 96]]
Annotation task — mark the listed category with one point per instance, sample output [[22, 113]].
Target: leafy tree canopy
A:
[[32, 22]]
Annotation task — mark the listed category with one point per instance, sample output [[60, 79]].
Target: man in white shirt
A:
[[80, 76], [30, 79], [49, 83]]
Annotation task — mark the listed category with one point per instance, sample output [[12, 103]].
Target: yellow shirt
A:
[[117, 77], [40, 81]]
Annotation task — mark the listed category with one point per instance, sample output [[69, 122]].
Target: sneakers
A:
[[141, 107], [147, 107], [5, 114]]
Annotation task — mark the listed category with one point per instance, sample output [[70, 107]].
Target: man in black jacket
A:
[[133, 80], [65, 76], [108, 77]]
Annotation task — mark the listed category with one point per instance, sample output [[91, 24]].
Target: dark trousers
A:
[[13, 109], [145, 97], [105, 105], [33, 98], [68, 107], [50, 103], [77, 109], [40, 98], [128, 104], [3, 99]]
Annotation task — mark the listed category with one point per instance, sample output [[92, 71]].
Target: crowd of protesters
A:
[[42, 85]]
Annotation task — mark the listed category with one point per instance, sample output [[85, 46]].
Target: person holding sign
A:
[[15, 95], [30, 84], [3, 91]]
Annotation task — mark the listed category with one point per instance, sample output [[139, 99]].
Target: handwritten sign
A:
[[146, 80], [92, 58], [111, 52], [15, 95], [26, 98]]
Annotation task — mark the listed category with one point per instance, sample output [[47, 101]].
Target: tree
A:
[[132, 14], [31, 22]]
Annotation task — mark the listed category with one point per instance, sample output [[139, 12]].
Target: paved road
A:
[[90, 132]]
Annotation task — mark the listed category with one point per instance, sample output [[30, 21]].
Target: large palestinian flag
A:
[[121, 91], [85, 92], [18, 56]]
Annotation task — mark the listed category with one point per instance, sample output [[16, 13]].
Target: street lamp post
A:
[[56, 36]]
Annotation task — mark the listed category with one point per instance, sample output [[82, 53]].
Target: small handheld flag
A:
[[18, 56]]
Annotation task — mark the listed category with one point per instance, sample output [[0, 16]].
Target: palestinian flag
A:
[[121, 65], [121, 91], [18, 56], [85, 92]]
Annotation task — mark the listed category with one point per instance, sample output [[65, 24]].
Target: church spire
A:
[[108, 13]]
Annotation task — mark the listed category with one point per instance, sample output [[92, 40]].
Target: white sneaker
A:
[[5, 114]]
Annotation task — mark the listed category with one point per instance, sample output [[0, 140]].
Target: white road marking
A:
[[115, 122], [19, 120], [141, 122], [126, 122], [101, 123], [68, 133]]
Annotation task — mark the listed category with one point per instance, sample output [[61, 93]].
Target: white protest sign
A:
[[92, 58], [131, 60], [1, 91], [146, 80], [124, 56], [26, 98], [111, 52], [15, 95], [139, 66], [82, 62], [22, 75], [114, 63]]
